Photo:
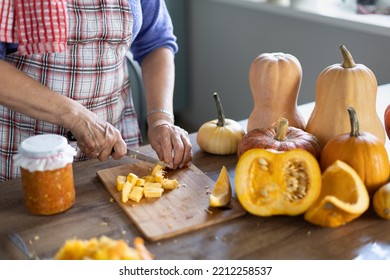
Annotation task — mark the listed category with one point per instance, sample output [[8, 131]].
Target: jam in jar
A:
[[45, 162]]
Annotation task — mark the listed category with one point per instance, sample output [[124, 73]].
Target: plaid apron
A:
[[92, 70]]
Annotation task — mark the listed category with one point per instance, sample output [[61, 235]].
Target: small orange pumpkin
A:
[[281, 137], [269, 182], [381, 202], [363, 151]]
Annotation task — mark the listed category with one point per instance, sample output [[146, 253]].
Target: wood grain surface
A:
[[177, 211], [246, 237]]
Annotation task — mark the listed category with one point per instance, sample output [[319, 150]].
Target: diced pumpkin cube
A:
[[158, 173], [153, 192], [152, 185], [127, 187], [148, 178], [140, 182], [158, 170], [136, 194], [132, 178], [169, 184], [120, 180]]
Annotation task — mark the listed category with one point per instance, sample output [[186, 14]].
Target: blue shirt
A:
[[152, 28]]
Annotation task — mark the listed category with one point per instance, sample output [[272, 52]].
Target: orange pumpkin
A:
[[269, 182], [363, 151], [381, 202]]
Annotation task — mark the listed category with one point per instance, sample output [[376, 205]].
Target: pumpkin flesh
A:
[[222, 191], [268, 182], [343, 197]]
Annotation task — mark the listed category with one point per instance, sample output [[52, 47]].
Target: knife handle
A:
[[70, 137]]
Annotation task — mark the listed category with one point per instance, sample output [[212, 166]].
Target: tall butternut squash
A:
[[338, 87], [275, 80]]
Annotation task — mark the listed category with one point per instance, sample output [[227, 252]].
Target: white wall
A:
[[223, 39]]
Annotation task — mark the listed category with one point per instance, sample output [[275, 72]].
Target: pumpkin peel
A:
[[343, 197]]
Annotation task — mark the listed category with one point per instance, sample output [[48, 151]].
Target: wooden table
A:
[[246, 237]]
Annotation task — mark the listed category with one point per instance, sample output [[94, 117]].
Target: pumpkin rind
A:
[[339, 86], [381, 202], [268, 182], [269, 138], [275, 80], [343, 197], [363, 151]]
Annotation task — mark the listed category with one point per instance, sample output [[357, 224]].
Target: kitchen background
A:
[[219, 39]]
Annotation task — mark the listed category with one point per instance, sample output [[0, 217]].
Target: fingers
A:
[[182, 149], [101, 141], [187, 157], [172, 145], [120, 149]]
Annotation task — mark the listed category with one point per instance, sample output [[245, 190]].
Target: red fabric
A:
[[37, 26]]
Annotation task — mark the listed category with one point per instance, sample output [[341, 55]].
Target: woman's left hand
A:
[[171, 144]]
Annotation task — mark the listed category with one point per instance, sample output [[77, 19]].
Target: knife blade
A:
[[143, 157], [19, 243]]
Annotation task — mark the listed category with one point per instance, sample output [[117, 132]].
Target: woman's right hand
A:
[[96, 138], [23, 94]]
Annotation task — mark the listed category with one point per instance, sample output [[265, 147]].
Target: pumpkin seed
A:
[[296, 180]]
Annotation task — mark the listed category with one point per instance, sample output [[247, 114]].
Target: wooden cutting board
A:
[[178, 211]]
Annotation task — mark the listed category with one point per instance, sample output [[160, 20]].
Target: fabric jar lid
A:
[[43, 145], [44, 152]]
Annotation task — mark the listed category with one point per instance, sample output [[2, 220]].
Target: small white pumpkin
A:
[[220, 136]]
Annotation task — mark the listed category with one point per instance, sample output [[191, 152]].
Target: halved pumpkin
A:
[[343, 197], [270, 182]]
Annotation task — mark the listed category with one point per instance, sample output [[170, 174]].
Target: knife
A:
[[143, 157], [131, 153], [19, 243]]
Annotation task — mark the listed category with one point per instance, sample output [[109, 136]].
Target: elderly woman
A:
[[63, 69]]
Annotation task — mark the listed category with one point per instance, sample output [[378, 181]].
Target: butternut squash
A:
[[338, 87], [275, 80]]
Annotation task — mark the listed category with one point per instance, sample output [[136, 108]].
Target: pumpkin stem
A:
[[354, 122], [281, 129], [348, 61], [221, 115]]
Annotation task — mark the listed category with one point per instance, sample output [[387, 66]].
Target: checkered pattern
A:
[[38, 26], [92, 70]]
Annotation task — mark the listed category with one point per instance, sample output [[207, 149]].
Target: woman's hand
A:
[[96, 138], [171, 144]]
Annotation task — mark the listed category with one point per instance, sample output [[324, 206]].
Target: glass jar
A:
[[47, 174]]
